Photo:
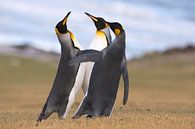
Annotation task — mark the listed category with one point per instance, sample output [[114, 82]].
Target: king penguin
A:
[[102, 39], [105, 76], [68, 79]]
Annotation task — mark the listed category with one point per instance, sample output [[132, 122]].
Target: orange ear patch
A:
[[57, 32], [117, 31]]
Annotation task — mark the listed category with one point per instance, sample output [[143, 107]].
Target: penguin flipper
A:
[[86, 55], [125, 77]]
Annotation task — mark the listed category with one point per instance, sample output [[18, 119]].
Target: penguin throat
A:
[[100, 34], [100, 39], [107, 34]]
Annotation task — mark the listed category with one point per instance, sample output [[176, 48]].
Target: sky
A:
[[150, 25]]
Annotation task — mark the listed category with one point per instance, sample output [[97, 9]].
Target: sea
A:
[[150, 25]]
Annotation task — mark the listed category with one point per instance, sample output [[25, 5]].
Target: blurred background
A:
[[150, 24], [160, 48]]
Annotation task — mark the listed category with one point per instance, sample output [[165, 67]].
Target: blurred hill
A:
[[187, 49], [27, 51], [185, 54]]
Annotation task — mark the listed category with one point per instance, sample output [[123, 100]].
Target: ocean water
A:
[[151, 25]]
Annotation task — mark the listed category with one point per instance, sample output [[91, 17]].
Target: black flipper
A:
[[86, 55], [125, 77]]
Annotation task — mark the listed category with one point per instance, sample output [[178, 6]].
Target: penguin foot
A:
[[75, 117], [89, 116], [37, 124], [61, 118]]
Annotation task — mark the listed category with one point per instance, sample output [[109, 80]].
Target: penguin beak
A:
[[92, 17], [65, 18]]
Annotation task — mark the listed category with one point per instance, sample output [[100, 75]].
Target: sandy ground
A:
[[161, 95]]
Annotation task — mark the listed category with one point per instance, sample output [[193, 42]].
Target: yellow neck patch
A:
[[72, 36], [117, 31], [100, 33]]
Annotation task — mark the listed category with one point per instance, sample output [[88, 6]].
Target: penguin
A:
[[69, 78], [125, 75], [105, 76], [102, 39]]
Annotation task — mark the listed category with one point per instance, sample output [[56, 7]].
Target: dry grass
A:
[[161, 96]]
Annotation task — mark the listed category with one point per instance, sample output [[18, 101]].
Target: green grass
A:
[[161, 95]]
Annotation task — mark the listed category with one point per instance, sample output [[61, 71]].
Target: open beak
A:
[[92, 17], [65, 18]]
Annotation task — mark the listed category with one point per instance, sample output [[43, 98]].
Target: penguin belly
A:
[[76, 87], [98, 43]]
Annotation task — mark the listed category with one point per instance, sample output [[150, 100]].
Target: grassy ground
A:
[[161, 95]]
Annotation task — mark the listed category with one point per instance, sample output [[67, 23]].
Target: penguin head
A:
[[61, 27], [65, 37], [116, 27], [99, 22]]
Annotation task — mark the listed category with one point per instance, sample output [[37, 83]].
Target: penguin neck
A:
[[66, 45], [75, 41], [99, 42], [117, 48], [100, 34], [108, 35], [119, 41], [67, 53]]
